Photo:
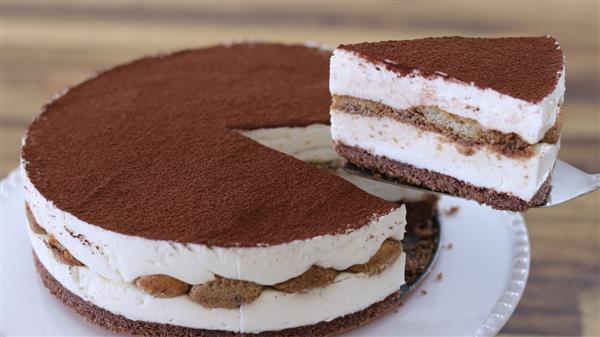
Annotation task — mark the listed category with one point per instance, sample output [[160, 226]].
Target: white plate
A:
[[484, 274]]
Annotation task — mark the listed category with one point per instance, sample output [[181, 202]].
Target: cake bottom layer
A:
[[435, 181], [120, 324]]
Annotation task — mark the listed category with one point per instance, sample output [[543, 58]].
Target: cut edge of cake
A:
[[397, 115]]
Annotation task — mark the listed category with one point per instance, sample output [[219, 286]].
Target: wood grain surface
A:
[[46, 46]]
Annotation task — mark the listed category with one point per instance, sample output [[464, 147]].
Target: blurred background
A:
[[46, 46]]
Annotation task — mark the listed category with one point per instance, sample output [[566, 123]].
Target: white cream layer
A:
[[124, 258], [273, 310], [353, 75], [313, 143], [521, 177]]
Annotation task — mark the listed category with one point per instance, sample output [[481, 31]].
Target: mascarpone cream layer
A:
[[521, 177], [122, 257], [273, 310], [353, 75]]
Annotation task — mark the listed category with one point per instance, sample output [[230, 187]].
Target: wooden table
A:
[[47, 46]]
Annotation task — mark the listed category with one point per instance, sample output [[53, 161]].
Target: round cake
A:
[[182, 194]]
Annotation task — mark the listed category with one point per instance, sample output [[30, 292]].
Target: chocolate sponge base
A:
[[435, 181]]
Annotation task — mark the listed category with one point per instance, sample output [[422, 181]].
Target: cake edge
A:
[[119, 324]]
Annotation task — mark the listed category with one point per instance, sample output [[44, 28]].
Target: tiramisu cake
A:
[[474, 117], [170, 196]]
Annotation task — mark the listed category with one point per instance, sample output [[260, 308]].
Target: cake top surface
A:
[[150, 149], [527, 68]]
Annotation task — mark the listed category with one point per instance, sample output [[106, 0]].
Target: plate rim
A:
[[516, 286]]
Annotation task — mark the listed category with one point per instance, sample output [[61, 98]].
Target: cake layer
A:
[[435, 181], [462, 130], [124, 258], [273, 310], [230, 293], [405, 86], [480, 167]]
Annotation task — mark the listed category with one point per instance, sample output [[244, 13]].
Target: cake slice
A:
[[474, 117]]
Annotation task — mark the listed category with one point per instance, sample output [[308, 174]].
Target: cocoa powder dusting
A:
[[148, 149], [523, 67]]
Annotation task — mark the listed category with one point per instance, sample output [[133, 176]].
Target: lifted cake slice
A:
[[474, 117]]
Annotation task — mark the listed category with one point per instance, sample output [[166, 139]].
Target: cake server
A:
[[568, 182]]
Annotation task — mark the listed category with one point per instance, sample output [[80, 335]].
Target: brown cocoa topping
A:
[[523, 67], [150, 149]]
